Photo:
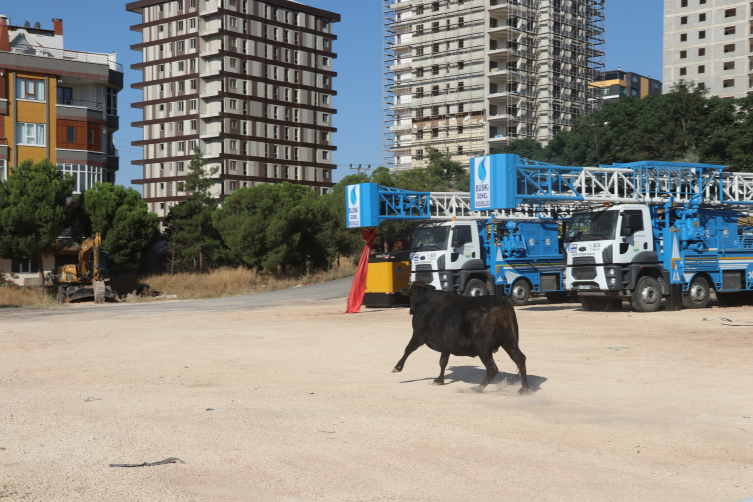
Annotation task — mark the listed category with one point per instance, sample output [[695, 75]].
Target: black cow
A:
[[463, 326]]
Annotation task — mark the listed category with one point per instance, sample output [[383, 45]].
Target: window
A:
[[684, 20], [31, 134], [25, 267], [181, 66], [83, 176], [702, 34], [729, 65], [233, 104], [233, 124], [233, 22], [193, 104], [325, 117], [181, 106], [71, 134], [192, 25], [233, 63], [683, 54], [729, 48], [192, 43], [730, 13], [702, 69], [30, 88], [179, 26], [683, 3], [701, 52], [729, 30], [683, 37], [701, 18], [325, 155], [193, 125], [180, 46], [181, 86], [112, 101], [683, 71], [729, 83]]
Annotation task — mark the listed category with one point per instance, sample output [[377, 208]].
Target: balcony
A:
[[74, 56], [113, 159], [79, 103]]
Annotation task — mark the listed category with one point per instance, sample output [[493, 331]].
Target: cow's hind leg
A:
[[491, 370], [412, 346], [443, 360], [519, 359]]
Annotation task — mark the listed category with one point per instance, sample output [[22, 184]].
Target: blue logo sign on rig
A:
[[481, 183], [354, 209]]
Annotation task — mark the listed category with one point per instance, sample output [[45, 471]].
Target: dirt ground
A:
[[297, 403]]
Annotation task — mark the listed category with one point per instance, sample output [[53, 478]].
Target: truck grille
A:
[[584, 273], [584, 260], [426, 277], [423, 268]]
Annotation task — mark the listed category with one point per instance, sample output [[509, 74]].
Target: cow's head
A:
[[417, 293]]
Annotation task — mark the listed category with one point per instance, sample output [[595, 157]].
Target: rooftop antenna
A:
[[27, 24], [37, 25]]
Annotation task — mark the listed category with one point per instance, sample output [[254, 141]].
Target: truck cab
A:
[[607, 250], [450, 256]]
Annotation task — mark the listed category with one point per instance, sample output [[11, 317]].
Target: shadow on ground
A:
[[475, 375]]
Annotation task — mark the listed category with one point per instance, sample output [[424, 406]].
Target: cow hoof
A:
[[437, 382], [478, 389], [396, 370], [524, 391]]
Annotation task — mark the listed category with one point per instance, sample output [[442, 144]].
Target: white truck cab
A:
[[607, 250], [448, 255]]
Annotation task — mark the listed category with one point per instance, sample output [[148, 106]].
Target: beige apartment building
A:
[[469, 76], [706, 42], [248, 82]]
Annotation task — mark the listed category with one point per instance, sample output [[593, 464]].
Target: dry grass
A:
[[25, 297], [237, 281]]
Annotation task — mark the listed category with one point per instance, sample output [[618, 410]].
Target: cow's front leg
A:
[[412, 346], [443, 360], [491, 371]]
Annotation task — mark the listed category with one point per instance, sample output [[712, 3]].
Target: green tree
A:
[[128, 229], [451, 172], [334, 235], [33, 212], [190, 237], [272, 226]]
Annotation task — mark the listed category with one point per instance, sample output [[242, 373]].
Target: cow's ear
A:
[[405, 291]]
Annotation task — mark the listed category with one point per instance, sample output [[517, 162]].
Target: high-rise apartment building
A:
[[60, 105], [469, 76], [247, 82], [706, 43]]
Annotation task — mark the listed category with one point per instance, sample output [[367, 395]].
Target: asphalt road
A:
[[312, 293]]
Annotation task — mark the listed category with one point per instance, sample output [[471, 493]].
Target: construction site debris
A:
[[171, 460]]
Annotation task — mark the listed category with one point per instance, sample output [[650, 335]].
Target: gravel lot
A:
[[296, 402]]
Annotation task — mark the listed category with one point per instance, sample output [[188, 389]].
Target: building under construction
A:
[[469, 76]]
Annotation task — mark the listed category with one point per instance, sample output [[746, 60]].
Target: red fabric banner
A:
[[358, 289]]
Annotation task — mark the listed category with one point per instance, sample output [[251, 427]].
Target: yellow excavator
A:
[[86, 280]]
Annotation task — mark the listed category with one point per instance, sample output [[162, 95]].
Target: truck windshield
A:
[[431, 239], [593, 226]]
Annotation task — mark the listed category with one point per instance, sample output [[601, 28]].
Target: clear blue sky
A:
[[634, 42]]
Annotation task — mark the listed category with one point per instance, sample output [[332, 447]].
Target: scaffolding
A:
[[469, 76]]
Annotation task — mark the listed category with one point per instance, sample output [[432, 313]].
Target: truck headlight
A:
[[612, 281], [610, 271], [444, 284]]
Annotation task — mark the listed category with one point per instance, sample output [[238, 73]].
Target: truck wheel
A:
[[594, 303], [476, 287], [698, 294], [62, 293], [558, 297], [520, 293], [647, 295]]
